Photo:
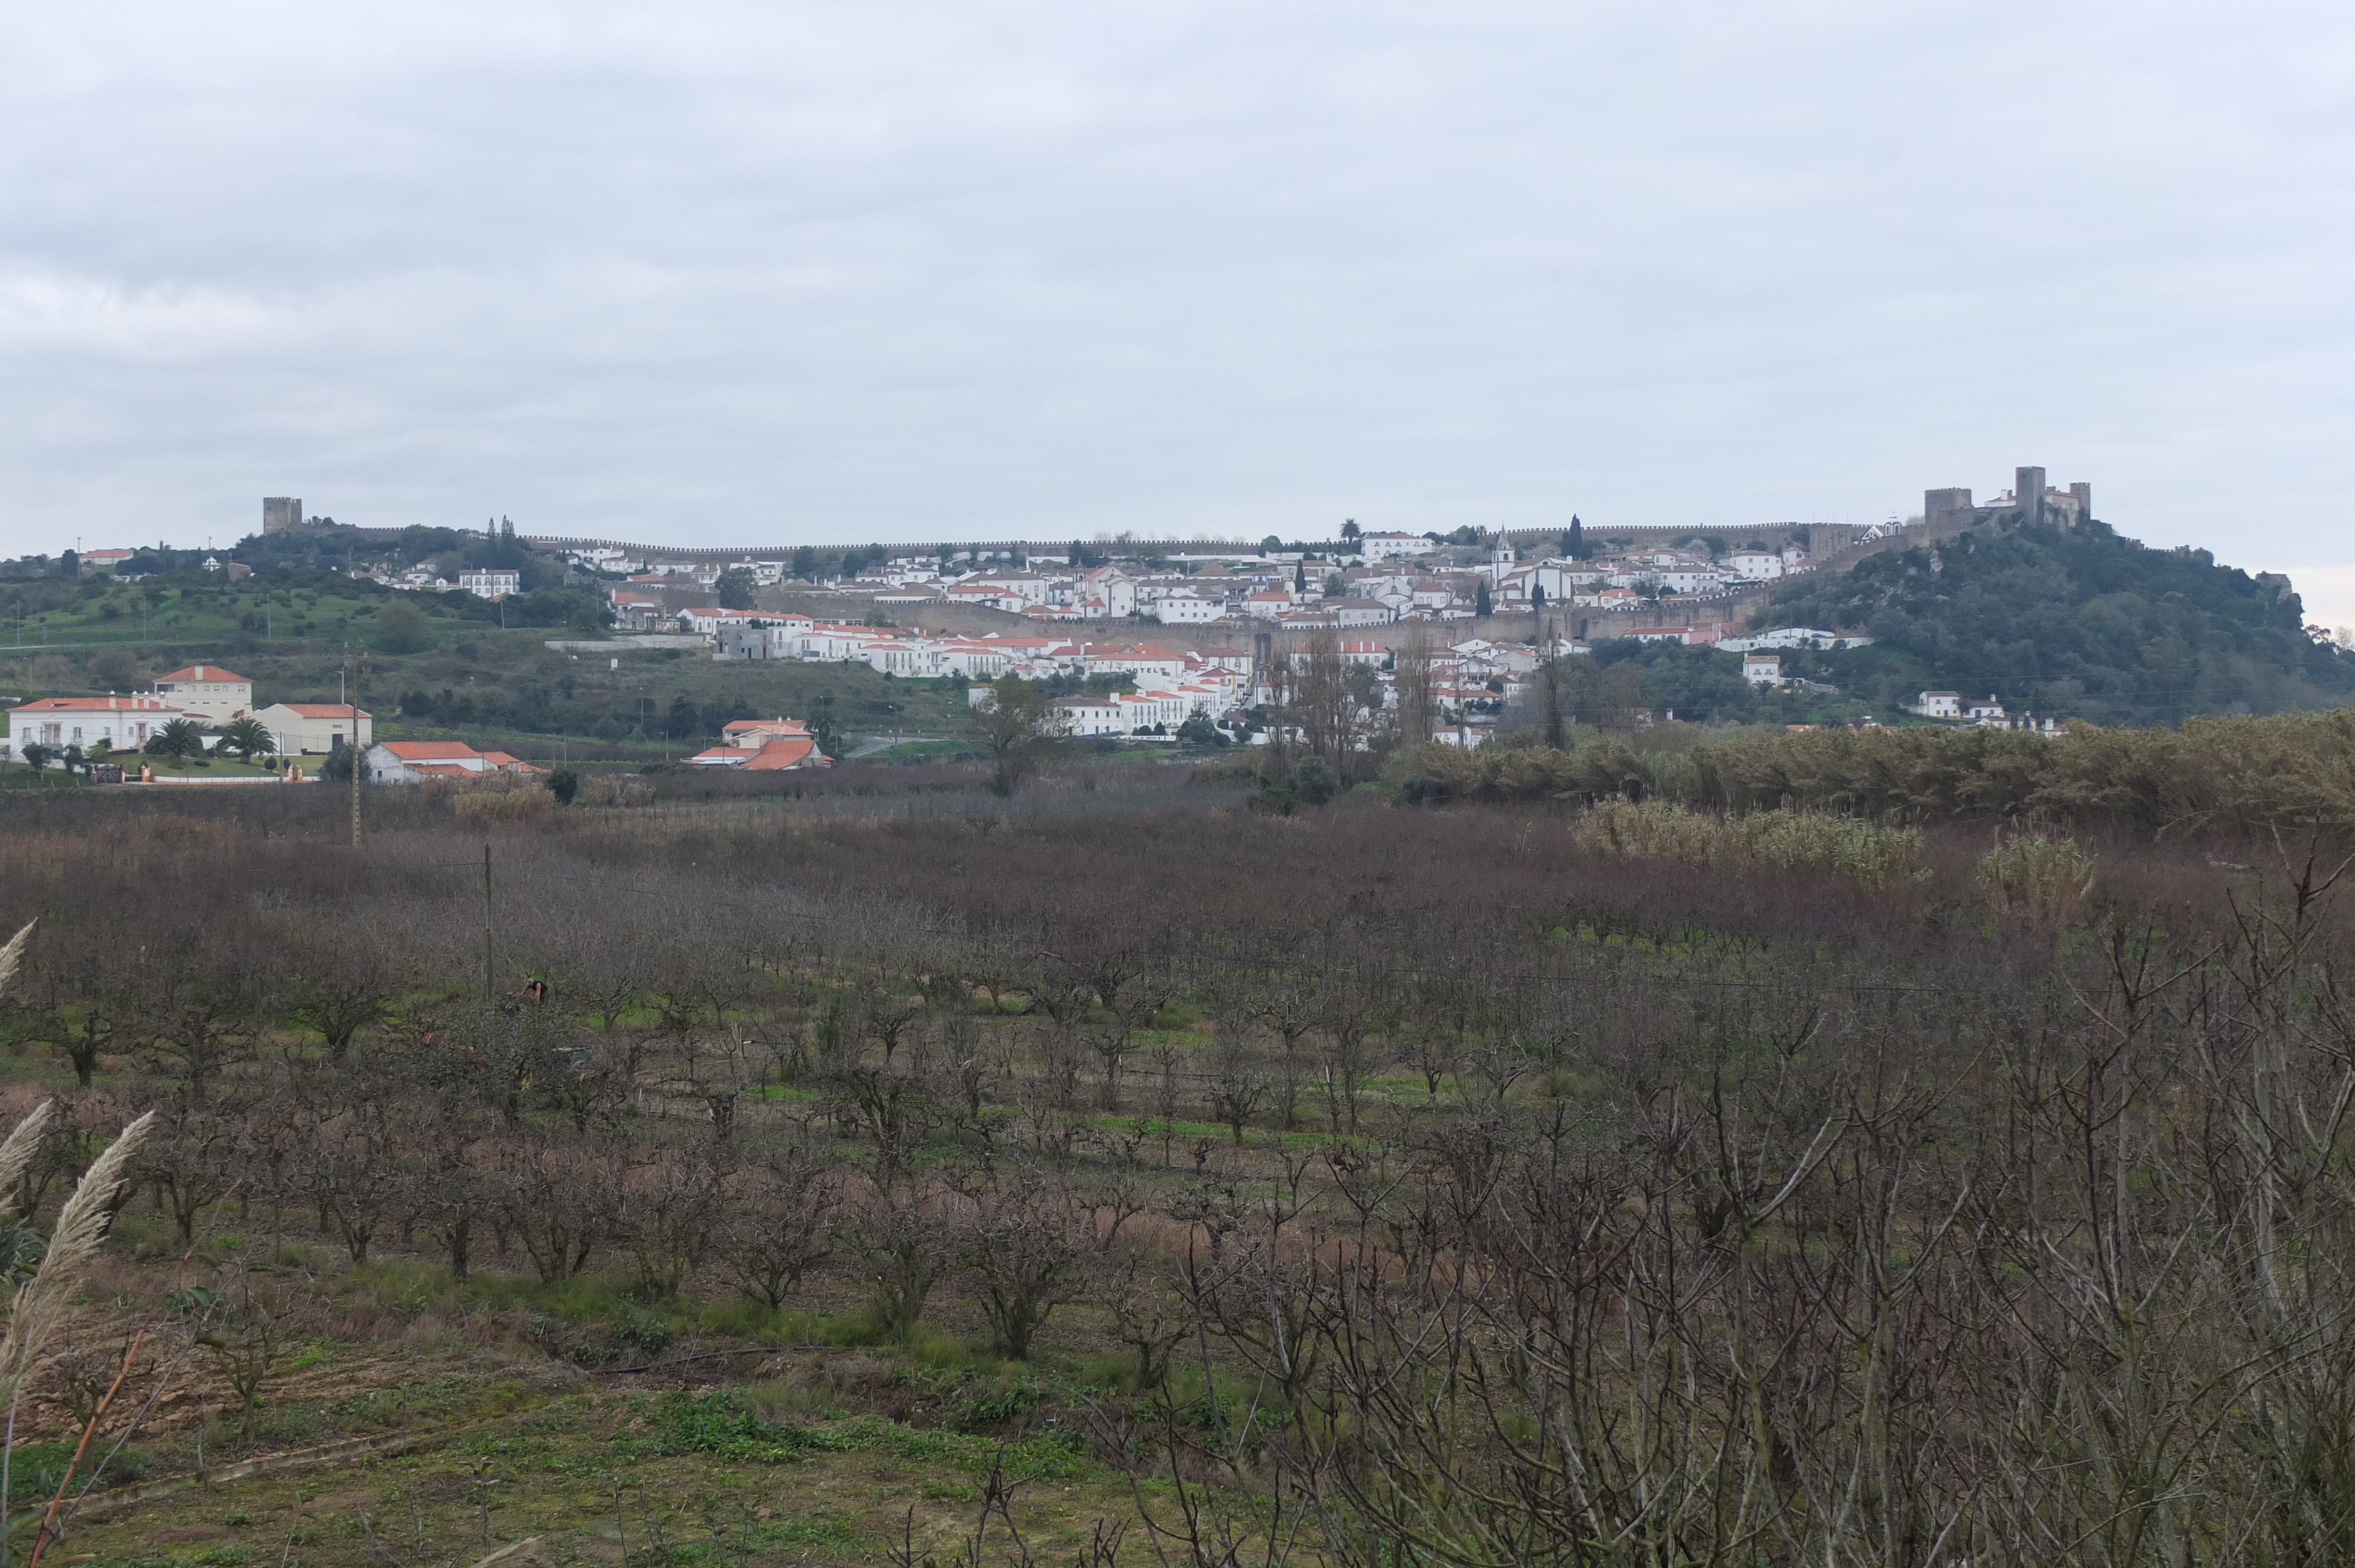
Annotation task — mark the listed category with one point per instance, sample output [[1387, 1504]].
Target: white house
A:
[[1691, 579], [296, 728], [1762, 669], [1941, 705], [1392, 547], [1988, 712], [1189, 608], [1360, 612], [1146, 661], [123, 723], [490, 585], [1090, 716], [1755, 566], [206, 692]]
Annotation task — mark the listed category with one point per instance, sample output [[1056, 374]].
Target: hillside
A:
[[2082, 622], [438, 664]]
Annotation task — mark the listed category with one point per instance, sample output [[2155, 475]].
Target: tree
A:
[[1336, 585], [1350, 530], [1574, 543], [906, 1250], [1537, 598], [805, 563], [177, 737], [36, 755], [1332, 702], [785, 1227], [736, 589], [401, 628], [1199, 730], [247, 737], [1269, 545], [1014, 724], [337, 769], [564, 784], [1418, 712], [1482, 603], [1027, 1246], [1300, 578]]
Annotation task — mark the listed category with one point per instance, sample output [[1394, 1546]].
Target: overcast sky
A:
[[787, 271]]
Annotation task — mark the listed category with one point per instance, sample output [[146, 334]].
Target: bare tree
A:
[[784, 1222], [1418, 708], [1026, 1244]]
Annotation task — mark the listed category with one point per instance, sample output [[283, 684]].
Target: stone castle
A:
[[2030, 501]]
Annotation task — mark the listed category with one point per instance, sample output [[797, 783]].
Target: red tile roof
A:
[[136, 705], [202, 672], [322, 710], [780, 754], [430, 751]]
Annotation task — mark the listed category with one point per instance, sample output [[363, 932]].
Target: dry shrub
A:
[[2037, 880], [2288, 771], [514, 805], [608, 790], [1765, 841]]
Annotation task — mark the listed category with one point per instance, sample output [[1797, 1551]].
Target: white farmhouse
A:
[[123, 723]]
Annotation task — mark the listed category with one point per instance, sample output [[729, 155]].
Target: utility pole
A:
[[490, 984], [353, 706]]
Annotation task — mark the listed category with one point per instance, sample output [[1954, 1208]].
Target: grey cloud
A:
[[847, 271]]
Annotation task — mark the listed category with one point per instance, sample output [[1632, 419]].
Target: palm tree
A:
[[180, 738], [247, 736]]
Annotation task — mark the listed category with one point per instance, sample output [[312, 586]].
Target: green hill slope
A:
[[2080, 623]]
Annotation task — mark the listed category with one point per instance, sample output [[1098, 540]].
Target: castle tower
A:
[[2028, 491], [280, 513], [1945, 507]]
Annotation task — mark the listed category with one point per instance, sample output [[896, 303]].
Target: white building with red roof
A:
[[123, 723], [764, 746], [206, 692], [297, 728], [415, 761], [1146, 661]]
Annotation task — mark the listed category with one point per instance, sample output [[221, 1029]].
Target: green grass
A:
[[503, 686], [190, 767]]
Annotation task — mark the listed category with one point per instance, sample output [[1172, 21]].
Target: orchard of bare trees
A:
[[1480, 1184]]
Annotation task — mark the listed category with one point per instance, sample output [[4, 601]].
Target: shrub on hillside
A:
[[2037, 880], [1763, 841]]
